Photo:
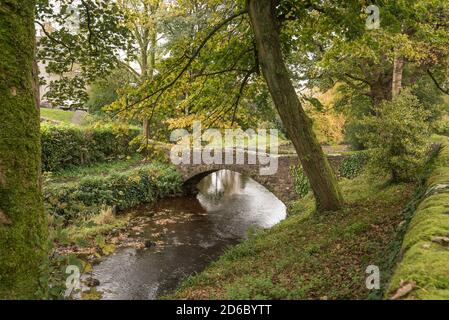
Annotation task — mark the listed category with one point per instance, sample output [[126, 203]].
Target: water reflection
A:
[[190, 233], [221, 184]]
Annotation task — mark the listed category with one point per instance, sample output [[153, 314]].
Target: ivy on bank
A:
[[353, 165], [121, 190]]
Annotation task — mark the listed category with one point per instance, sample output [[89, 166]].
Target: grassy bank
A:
[[98, 169], [58, 115], [310, 256], [422, 272], [72, 194]]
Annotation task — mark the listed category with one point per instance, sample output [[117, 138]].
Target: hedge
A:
[[123, 191], [422, 272], [64, 146]]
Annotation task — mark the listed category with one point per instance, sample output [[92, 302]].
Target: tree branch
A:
[[357, 78], [235, 104], [191, 58], [240, 94], [129, 68], [89, 21], [49, 36], [439, 86]]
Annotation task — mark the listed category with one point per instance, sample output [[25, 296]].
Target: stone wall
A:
[[281, 184]]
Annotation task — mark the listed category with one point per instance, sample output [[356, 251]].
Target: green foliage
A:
[[104, 91], [65, 146], [82, 230], [332, 48], [353, 165], [95, 169], [54, 277], [123, 190], [302, 185], [84, 44], [214, 81], [353, 130], [398, 137]]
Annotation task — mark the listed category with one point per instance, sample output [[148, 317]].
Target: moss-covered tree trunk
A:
[[23, 227], [298, 125]]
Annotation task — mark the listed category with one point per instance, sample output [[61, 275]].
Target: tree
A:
[[103, 92], [22, 221], [226, 55], [299, 127], [333, 46], [211, 71], [209, 90], [84, 41]]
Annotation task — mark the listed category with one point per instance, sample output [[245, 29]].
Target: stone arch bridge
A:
[[280, 183]]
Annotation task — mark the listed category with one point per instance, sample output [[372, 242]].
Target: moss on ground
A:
[[425, 256], [311, 256], [82, 230]]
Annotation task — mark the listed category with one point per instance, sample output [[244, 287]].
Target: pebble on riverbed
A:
[[92, 282], [149, 243]]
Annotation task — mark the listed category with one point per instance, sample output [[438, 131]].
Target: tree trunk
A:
[[380, 91], [296, 122], [23, 227], [398, 67], [149, 74]]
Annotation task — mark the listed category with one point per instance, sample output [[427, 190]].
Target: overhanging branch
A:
[[439, 86], [191, 59]]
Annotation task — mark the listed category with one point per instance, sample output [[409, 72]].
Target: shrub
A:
[[398, 137], [124, 190], [103, 92], [64, 146], [353, 134]]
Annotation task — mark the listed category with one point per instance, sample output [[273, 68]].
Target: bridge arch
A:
[[281, 183]]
